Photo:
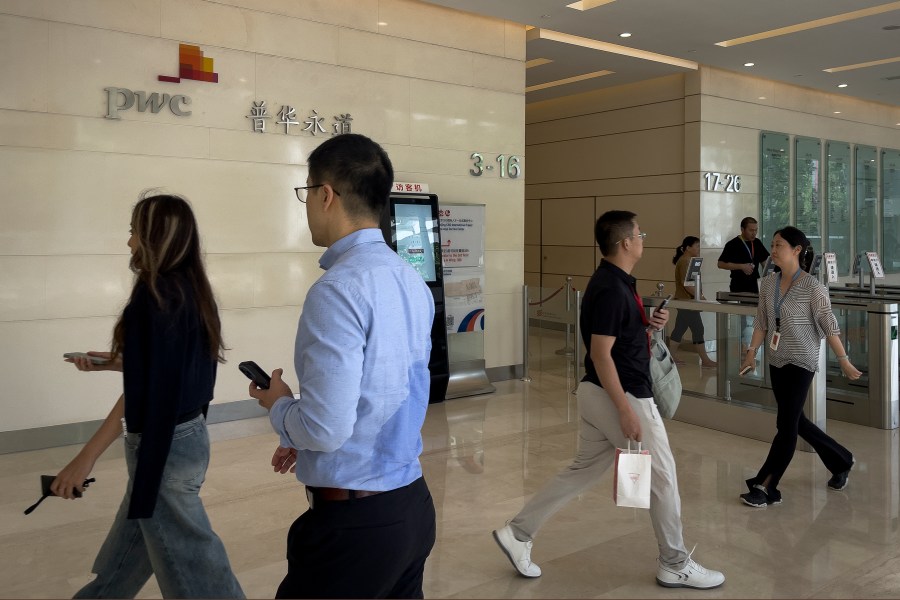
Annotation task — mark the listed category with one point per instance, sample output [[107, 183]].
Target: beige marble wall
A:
[[69, 177], [621, 148]]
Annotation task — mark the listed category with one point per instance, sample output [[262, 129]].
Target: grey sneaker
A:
[[518, 553], [692, 575]]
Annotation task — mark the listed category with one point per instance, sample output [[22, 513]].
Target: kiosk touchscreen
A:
[[411, 226], [816, 265]]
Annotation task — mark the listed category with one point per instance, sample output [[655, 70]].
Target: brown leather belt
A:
[[316, 495]]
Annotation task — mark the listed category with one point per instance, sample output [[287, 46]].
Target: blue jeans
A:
[[177, 544]]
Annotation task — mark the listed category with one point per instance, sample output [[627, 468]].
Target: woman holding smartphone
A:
[[167, 343], [793, 316]]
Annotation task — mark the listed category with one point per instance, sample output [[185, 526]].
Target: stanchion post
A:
[[525, 377]]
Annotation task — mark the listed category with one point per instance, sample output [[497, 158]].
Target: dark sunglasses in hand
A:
[[46, 481]]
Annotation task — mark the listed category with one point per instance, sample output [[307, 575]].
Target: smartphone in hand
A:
[[97, 360], [255, 374], [746, 370], [663, 304]]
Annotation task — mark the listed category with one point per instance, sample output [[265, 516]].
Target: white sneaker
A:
[[518, 553], [692, 575]]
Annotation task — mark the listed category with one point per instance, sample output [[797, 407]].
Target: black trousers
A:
[[790, 385], [372, 547], [687, 319]]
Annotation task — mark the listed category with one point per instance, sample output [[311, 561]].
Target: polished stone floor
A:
[[483, 457]]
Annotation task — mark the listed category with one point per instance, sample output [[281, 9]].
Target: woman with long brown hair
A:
[[167, 343]]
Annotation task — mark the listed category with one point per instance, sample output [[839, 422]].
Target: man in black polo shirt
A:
[[615, 404], [742, 256]]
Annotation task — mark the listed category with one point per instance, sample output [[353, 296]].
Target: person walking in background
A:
[[167, 344], [793, 316], [615, 405], [688, 319], [354, 436]]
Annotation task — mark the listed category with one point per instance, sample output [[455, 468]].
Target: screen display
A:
[[414, 230]]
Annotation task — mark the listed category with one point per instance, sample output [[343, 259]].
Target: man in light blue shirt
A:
[[354, 436]]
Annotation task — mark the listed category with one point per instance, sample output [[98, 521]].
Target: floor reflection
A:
[[483, 456]]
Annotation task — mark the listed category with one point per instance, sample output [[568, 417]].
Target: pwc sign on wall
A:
[[191, 65]]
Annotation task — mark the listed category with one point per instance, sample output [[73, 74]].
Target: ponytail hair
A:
[[795, 237], [685, 244]]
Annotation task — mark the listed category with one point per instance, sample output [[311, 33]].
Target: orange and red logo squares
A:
[[192, 65]]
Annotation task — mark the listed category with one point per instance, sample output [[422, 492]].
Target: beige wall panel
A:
[[727, 149], [692, 137], [422, 163], [233, 279], [134, 16], [498, 73], [250, 30], [241, 207], [721, 214], [386, 54], [532, 258], [514, 46], [381, 113], [63, 132], [635, 154], [567, 260], [650, 184], [647, 287], [451, 116], [503, 337], [691, 211], [88, 286], [693, 82], [568, 222], [445, 27], [87, 60], [24, 56], [283, 279], [692, 109], [532, 279], [533, 222], [61, 394], [503, 271], [249, 146], [656, 264], [636, 118], [23, 288], [651, 91], [661, 216], [358, 14]]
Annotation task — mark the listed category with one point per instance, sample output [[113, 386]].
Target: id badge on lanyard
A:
[[778, 301]]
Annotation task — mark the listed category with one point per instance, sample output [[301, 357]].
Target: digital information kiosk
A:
[[411, 227]]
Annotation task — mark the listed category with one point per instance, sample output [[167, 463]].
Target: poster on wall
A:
[[462, 251]]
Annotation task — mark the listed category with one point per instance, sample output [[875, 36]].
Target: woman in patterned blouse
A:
[[793, 315]]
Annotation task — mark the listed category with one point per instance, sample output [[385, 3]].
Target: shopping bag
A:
[[631, 482], [665, 377]]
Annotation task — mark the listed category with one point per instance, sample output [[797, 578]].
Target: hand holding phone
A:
[[663, 304], [255, 374], [97, 360]]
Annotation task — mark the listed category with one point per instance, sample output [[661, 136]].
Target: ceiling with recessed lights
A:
[[818, 44]]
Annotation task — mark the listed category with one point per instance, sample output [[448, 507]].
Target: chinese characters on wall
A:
[[287, 117]]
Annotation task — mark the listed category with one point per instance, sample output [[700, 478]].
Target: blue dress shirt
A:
[[361, 355]]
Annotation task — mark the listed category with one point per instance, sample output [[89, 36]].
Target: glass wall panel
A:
[[890, 194], [807, 193], [775, 170], [866, 199], [837, 176]]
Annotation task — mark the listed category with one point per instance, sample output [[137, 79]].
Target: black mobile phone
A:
[[255, 374], [663, 304]]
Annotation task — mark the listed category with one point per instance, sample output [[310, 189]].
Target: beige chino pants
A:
[[600, 433]]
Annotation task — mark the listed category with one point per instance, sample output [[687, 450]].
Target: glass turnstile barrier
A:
[[869, 333]]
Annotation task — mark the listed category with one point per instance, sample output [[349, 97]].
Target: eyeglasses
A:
[[301, 191], [641, 235]]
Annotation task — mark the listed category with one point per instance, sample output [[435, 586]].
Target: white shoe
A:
[[518, 553], [692, 575]]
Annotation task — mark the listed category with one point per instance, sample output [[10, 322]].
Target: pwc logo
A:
[[191, 65]]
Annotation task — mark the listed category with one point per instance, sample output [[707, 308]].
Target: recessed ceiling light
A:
[[762, 97], [624, 34], [898, 124], [382, 23], [749, 64], [837, 112], [842, 85]]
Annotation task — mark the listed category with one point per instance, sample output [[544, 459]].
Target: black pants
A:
[[790, 385], [687, 319], [373, 547]]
